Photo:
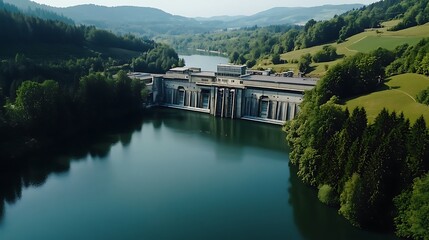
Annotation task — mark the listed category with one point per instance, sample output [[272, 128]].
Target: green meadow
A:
[[370, 43], [398, 94], [366, 41]]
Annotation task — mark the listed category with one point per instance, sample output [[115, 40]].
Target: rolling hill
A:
[[33, 9], [398, 94], [152, 22], [286, 15], [363, 42], [138, 20]]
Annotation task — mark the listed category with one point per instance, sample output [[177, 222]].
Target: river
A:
[[174, 175]]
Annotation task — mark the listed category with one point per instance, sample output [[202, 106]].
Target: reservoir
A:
[[205, 62], [172, 175]]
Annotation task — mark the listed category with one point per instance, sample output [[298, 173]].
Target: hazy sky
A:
[[204, 8]]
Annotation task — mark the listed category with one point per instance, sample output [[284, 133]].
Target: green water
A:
[[176, 175]]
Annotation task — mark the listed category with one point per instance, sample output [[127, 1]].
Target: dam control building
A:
[[231, 92]]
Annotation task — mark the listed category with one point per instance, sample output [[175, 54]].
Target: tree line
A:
[[44, 100], [248, 45], [36, 12], [414, 59], [18, 28], [21, 28], [375, 173], [41, 104]]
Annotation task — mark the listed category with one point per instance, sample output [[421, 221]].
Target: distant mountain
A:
[[125, 19], [25, 4], [287, 15], [90, 12], [38, 10], [280, 16], [152, 22], [223, 18]]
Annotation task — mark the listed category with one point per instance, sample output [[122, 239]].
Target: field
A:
[[362, 42], [398, 95], [370, 43]]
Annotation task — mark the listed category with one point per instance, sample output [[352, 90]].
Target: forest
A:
[[36, 12], [46, 99], [248, 45], [375, 173]]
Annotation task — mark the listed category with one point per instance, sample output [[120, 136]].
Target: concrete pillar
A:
[[184, 98], [233, 103], [223, 103], [285, 111], [215, 101], [293, 111], [188, 98], [275, 110], [157, 90], [238, 104], [227, 103]]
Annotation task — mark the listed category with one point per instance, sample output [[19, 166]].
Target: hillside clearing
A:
[[397, 95], [365, 42]]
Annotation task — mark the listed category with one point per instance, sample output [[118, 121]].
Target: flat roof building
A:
[[231, 70]]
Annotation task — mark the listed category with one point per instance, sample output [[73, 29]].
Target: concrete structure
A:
[[231, 70], [231, 93]]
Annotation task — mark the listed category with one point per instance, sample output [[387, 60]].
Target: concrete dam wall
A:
[[231, 92]]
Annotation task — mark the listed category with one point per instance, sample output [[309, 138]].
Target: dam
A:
[[232, 91]]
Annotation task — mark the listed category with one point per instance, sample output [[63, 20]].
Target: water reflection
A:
[[233, 133], [207, 62], [34, 171], [207, 193], [316, 221]]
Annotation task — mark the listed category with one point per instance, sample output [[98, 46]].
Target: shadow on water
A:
[[34, 171], [232, 133], [306, 206], [312, 219]]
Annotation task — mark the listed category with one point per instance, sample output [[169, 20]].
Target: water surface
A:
[[176, 175], [205, 62]]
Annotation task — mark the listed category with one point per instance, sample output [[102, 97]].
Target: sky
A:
[[204, 8]]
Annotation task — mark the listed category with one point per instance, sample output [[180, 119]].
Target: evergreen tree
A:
[[417, 162], [413, 211]]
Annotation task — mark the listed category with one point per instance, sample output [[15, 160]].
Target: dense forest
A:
[[243, 46], [20, 31], [247, 45], [36, 12], [376, 173], [46, 98]]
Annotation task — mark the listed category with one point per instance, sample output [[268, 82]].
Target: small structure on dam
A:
[[231, 92]]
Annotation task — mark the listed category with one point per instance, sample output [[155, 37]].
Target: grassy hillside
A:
[[398, 95], [363, 42]]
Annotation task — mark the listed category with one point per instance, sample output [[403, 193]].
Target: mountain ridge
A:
[[153, 21]]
